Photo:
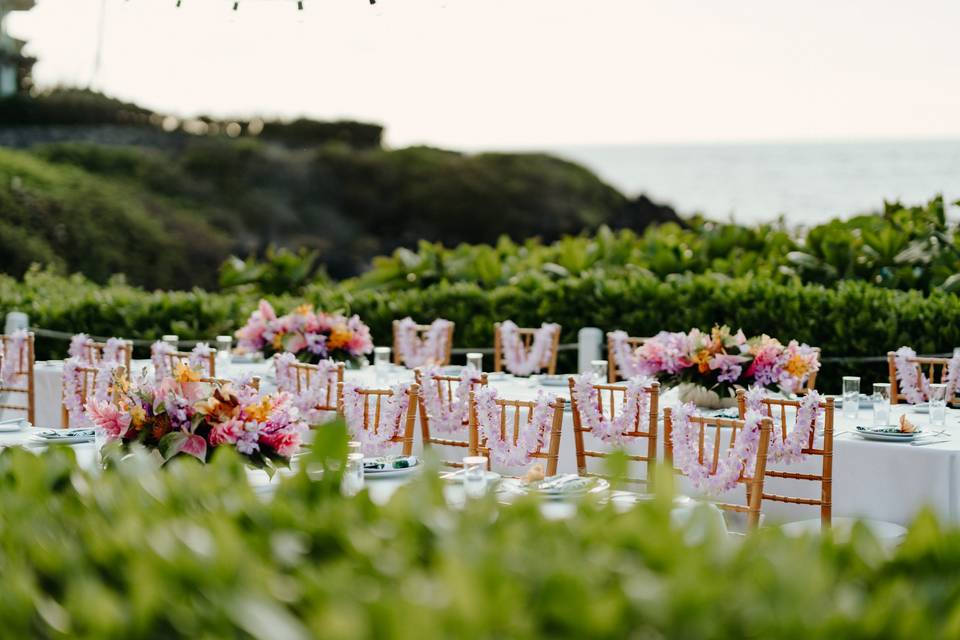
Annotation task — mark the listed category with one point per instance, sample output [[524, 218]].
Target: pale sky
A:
[[516, 73]]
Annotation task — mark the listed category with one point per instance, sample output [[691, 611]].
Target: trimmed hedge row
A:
[[853, 319]]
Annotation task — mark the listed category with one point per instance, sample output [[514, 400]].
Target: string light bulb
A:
[[236, 5], [299, 5]]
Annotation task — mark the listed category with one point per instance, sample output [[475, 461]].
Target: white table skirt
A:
[[877, 480]]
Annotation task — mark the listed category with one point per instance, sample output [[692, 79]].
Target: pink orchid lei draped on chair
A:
[[321, 392], [450, 417], [11, 358], [637, 404], [916, 387], [532, 434], [430, 350], [199, 358], [625, 359], [111, 349], [73, 391], [394, 410], [730, 465], [789, 450], [518, 360]]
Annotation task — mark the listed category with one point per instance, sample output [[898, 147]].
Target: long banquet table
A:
[[876, 480]]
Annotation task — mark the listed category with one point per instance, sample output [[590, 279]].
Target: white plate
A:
[[494, 377], [452, 370], [515, 485], [881, 436], [552, 381], [13, 426], [77, 439], [376, 474], [456, 477], [922, 407], [628, 497]]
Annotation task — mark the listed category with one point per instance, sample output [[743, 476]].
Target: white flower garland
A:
[[532, 434], [788, 450], [637, 403], [9, 369], [916, 387], [729, 467], [450, 417], [518, 360], [392, 411], [624, 357], [431, 350], [321, 391]]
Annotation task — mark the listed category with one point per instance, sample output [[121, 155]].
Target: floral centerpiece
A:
[[310, 335], [181, 415], [708, 367]]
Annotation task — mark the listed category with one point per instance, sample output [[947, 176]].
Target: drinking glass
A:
[[99, 442], [352, 482], [474, 476], [881, 404], [172, 339], [224, 346], [354, 446], [475, 360], [938, 405], [599, 369], [851, 397], [381, 363]]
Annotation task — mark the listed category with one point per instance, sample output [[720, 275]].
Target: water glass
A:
[[352, 482], [881, 404], [100, 440], [938, 405], [475, 360], [381, 363], [475, 476], [172, 339], [851, 397], [599, 369], [224, 348], [353, 447]]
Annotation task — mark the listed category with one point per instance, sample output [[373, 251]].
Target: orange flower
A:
[[339, 337], [137, 417], [184, 373], [702, 360], [304, 309], [261, 410], [797, 366]]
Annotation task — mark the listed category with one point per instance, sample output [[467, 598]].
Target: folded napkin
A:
[[389, 462]]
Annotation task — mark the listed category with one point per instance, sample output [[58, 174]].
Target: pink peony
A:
[[107, 416], [285, 443], [226, 432]]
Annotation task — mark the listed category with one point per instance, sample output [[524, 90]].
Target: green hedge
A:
[[853, 319], [192, 552]]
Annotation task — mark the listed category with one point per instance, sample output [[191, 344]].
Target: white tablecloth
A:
[[877, 480]]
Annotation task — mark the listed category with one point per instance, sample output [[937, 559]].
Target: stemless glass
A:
[[352, 482], [474, 476], [599, 369], [851, 397], [381, 363], [475, 360], [224, 346], [172, 339], [881, 404], [354, 446], [100, 440], [938, 405]]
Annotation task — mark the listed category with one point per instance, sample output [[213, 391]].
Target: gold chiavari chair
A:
[[725, 428], [373, 400], [609, 398], [783, 412], [26, 360], [512, 418], [812, 380], [446, 386], [526, 336], [88, 382], [94, 352], [221, 382], [422, 330], [305, 374], [183, 357], [932, 364], [615, 373]]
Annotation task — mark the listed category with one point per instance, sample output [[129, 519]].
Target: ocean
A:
[[804, 182]]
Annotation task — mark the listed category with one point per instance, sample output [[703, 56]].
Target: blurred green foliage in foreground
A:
[[193, 552]]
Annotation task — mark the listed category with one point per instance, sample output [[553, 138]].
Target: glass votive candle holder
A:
[[224, 348], [381, 363], [474, 476], [851, 396], [352, 482], [599, 369], [172, 339], [475, 360], [938, 405], [881, 404]]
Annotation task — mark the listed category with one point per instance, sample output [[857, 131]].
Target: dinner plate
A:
[[456, 477], [76, 438], [452, 370], [920, 407], [498, 376], [516, 485], [14, 425], [891, 434], [552, 380], [391, 472]]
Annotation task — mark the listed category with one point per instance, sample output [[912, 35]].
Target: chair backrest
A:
[[812, 380], [94, 352], [725, 429], [933, 368], [445, 389], [373, 410], [183, 357], [88, 382], [24, 383], [526, 336], [782, 412], [220, 382], [615, 370], [513, 415], [422, 330], [610, 399], [305, 374]]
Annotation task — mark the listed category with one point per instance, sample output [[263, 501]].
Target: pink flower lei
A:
[[729, 467], [73, 388], [416, 352], [623, 358], [322, 389], [394, 409], [532, 434], [199, 358], [611, 431], [447, 418], [518, 361], [78, 346], [11, 357], [788, 451], [915, 387]]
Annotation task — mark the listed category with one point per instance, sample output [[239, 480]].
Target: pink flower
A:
[[107, 416], [226, 432], [285, 443]]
